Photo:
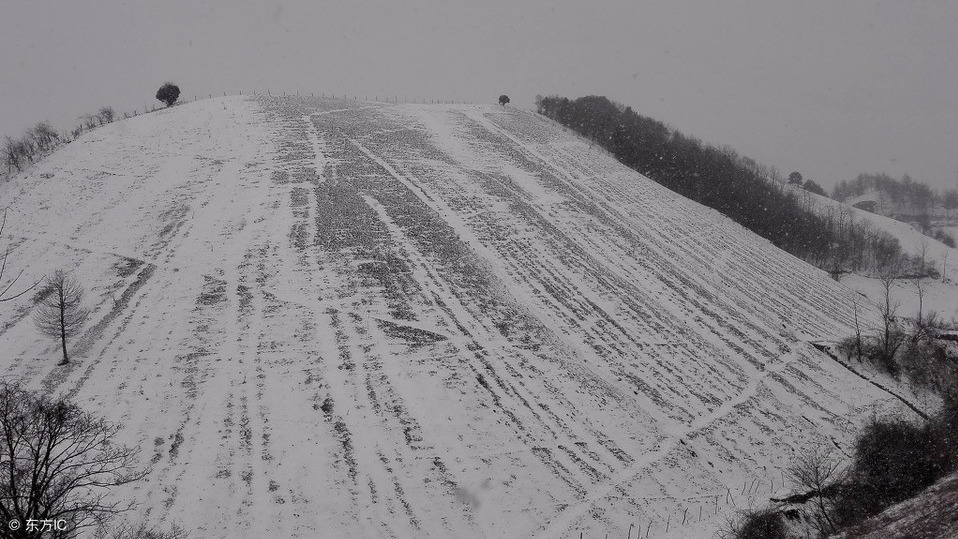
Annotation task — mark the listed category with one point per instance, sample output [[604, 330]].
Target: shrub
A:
[[765, 524], [851, 348], [895, 459]]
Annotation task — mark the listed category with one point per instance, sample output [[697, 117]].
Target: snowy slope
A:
[[328, 318]]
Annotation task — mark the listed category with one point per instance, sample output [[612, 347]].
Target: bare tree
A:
[[891, 337], [818, 472], [921, 300], [5, 288], [13, 154], [106, 115], [44, 136], [59, 464], [858, 332], [59, 312]]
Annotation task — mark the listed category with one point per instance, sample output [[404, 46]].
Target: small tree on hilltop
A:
[[59, 312], [795, 178], [168, 93], [503, 99]]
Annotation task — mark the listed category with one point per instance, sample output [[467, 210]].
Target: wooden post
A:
[[684, 515], [667, 522]]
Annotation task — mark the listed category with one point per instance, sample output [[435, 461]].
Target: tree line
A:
[[915, 196], [752, 194], [904, 199], [43, 138]]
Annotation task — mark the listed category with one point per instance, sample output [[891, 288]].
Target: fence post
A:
[[684, 515], [667, 522]]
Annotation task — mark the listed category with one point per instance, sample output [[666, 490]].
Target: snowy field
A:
[[329, 318]]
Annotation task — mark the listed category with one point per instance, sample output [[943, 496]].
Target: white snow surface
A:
[[329, 318]]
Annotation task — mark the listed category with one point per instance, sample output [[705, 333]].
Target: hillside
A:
[[932, 514], [328, 318]]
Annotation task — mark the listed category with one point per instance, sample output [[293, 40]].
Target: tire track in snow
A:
[[567, 518]]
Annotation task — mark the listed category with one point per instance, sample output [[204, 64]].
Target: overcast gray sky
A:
[[828, 88]]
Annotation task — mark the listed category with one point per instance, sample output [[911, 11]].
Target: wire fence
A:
[[686, 511]]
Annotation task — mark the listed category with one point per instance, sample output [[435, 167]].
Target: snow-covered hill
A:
[[328, 318]]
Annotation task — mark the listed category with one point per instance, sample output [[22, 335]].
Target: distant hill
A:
[[902, 199]]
